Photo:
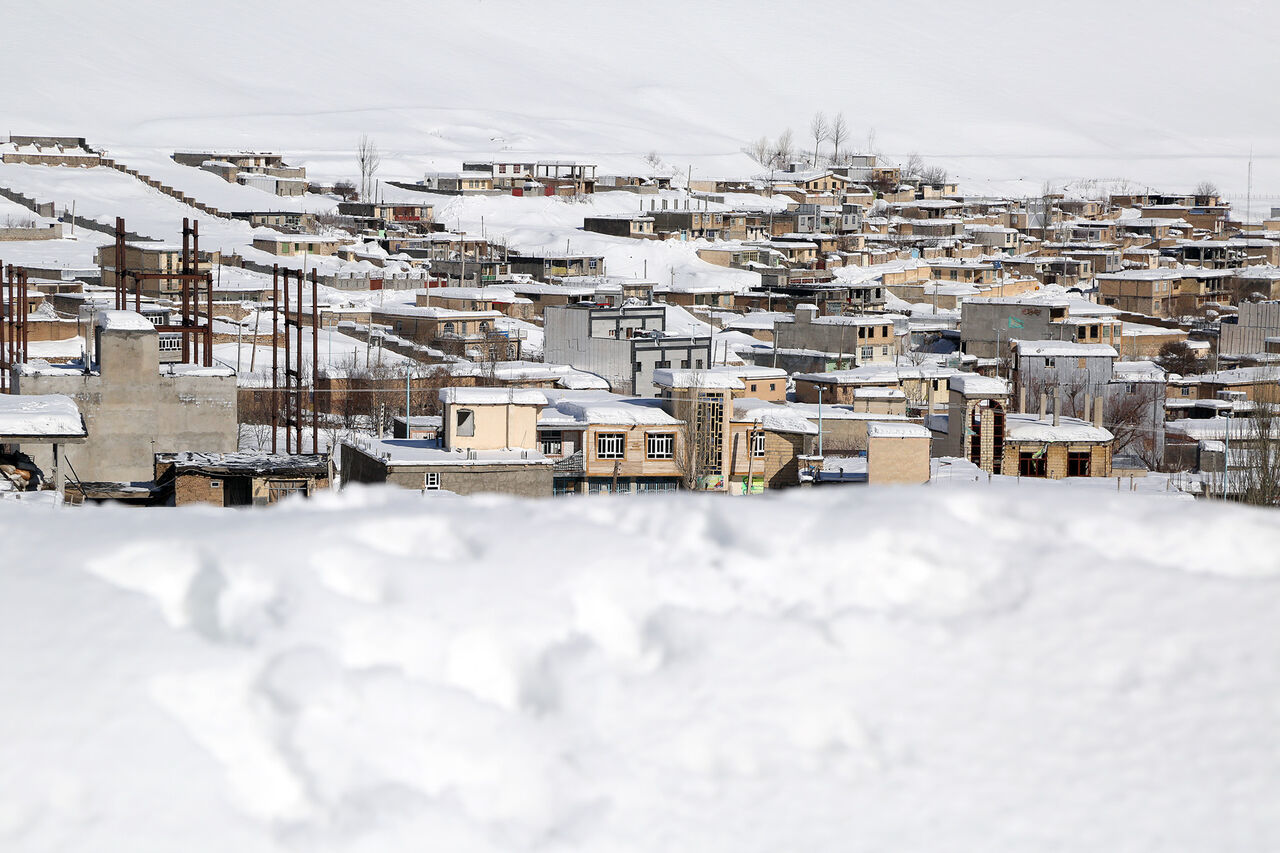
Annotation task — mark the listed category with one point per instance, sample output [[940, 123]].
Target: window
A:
[[757, 444], [884, 350], [611, 445], [170, 343], [448, 328], [466, 420], [753, 386], [484, 325], [215, 484], [552, 442], [1031, 464], [657, 485], [697, 362], [867, 352], [280, 489], [431, 481], [1080, 363], [684, 363], [660, 445], [662, 364], [1186, 391], [773, 386], [1078, 464]]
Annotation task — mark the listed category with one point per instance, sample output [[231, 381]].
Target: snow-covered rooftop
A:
[[975, 385], [1028, 427], [40, 416]]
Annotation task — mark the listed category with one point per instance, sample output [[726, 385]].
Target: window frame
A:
[[613, 454], [470, 414], [651, 438]]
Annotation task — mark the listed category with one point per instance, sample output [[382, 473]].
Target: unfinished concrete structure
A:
[[132, 409]]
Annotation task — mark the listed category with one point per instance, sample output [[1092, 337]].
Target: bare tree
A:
[[345, 190], [1132, 418], [838, 135], [369, 160], [783, 148], [1178, 357], [1257, 477], [819, 127], [1206, 188], [698, 444], [933, 175], [915, 166], [761, 150], [872, 141]]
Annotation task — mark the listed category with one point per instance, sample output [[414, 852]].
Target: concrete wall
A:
[[897, 460], [132, 411]]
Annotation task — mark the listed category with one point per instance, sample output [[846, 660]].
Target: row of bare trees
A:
[[776, 153]]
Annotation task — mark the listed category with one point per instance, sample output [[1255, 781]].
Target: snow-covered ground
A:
[[376, 670]]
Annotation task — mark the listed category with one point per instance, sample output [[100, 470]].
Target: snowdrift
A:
[[951, 668]]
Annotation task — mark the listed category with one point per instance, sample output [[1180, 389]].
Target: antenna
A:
[[1248, 204]]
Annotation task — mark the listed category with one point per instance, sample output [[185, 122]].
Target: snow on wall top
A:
[[124, 321], [1064, 348], [973, 384], [492, 396], [880, 429]]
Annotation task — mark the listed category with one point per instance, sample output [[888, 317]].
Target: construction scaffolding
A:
[[299, 382], [197, 337], [13, 322]]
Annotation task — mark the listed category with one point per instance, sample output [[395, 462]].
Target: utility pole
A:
[[1226, 453], [820, 456]]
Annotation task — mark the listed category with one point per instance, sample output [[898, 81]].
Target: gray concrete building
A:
[[1070, 368], [987, 325], [1247, 332], [133, 407], [623, 345]]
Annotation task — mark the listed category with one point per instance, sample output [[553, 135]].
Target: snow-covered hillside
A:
[[956, 668], [1016, 92]]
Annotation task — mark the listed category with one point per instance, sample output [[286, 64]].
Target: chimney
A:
[[1088, 407], [1044, 404], [1022, 398], [1057, 404], [1097, 414]]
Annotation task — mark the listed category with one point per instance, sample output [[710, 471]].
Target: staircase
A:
[[165, 188]]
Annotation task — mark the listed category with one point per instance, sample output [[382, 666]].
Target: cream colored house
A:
[[491, 418]]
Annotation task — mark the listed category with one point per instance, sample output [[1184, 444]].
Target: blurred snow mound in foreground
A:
[[921, 669]]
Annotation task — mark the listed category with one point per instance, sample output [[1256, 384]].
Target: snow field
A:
[[905, 669]]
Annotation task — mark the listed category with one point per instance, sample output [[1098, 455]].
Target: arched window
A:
[[448, 328]]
